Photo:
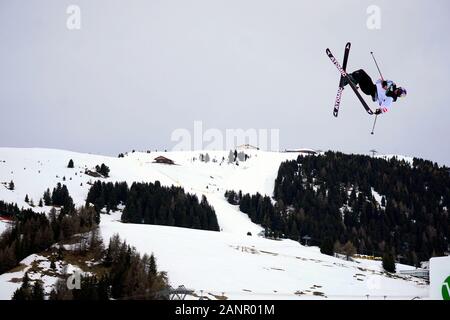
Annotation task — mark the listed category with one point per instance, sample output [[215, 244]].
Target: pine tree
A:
[[41, 203], [61, 291], [37, 292], [47, 198], [103, 288], [7, 258], [152, 270], [11, 185], [96, 246], [70, 164], [21, 295], [294, 234], [53, 295], [26, 281], [60, 197], [230, 157], [24, 292], [231, 197], [327, 247], [348, 249], [389, 262], [52, 264], [60, 254], [26, 198], [103, 170]]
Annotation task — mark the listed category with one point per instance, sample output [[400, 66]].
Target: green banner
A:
[[446, 289]]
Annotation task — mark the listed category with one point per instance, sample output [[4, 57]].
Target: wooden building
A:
[[161, 159]]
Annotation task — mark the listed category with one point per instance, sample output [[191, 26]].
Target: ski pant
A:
[[364, 81]]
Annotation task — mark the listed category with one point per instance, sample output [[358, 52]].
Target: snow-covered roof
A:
[[302, 150], [246, 147]]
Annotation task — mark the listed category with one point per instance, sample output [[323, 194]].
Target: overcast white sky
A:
[[137, 70]]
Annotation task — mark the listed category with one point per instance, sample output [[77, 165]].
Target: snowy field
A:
[[228, 263], [38, 268], [257, 268]]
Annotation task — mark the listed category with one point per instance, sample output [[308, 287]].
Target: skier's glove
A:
[[378, 111]]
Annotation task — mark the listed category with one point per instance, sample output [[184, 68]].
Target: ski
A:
[[352, 85], [341, 87]]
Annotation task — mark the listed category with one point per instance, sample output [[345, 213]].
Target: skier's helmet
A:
[[400, 92]]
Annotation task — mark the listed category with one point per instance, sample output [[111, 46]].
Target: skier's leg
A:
[[364, 81]]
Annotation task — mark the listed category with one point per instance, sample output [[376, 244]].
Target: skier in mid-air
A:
[[383, 91]]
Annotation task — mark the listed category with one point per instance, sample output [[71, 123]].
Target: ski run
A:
[[227, 264]]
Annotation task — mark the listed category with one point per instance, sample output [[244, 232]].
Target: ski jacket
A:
[[384, 101]]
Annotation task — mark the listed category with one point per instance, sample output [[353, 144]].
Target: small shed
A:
[[161, 159]]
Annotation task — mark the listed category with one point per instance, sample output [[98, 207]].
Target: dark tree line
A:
[[330, 199], [32, 232], [151, 203], [107, 195], [59, 197], [260, 211], [127, 275], [9, 209]]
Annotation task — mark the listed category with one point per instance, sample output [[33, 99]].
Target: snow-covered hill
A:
[[228, 262]]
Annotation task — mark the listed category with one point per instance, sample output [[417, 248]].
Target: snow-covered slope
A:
[[35, 170], [256, 268], [228, 262]]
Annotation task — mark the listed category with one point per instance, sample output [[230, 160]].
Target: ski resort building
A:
[[246, 147], [303, 151], [161, 159]]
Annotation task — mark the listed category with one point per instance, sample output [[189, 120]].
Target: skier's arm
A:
[[381, 110], [384, 107]]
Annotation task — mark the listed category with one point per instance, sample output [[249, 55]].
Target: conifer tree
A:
[[327, 247], [37, 292], [348, 249], [47, 198], [52, 264], [70, 164], [389, 262]]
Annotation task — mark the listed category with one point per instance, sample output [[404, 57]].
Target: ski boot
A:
[[345, 80]]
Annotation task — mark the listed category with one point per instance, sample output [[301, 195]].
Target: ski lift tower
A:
[[306, 239], [373, 152], [179, 293]]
